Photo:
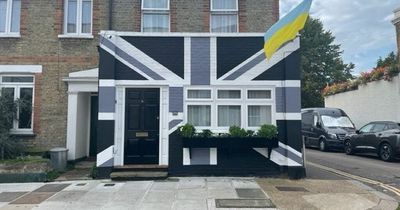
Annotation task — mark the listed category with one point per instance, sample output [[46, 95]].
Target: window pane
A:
[[16, 13], [228, 116], [25, 110], [8, 93], [86, 16], [233, 94], [71, 16], [259, 94], [18, 79], [3, 13], [199, 93], [199, 115], [224, 23], [224, 4], [259, 115], [155, 23], [155, 4]]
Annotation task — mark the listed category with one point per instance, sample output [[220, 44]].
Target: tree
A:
[[321, 63], [390, 60]]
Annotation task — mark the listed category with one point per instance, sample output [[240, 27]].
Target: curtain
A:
[[152, 4], [86, 16], [259, 115], [224, 4], [259, 94], [3, 13], [222, 23], [199, 115], [71, 16], [228, 116], [155, 22], [15, 15], [199, 94], [229, 94]]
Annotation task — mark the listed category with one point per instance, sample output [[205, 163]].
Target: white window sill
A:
[[75, 36], [22, 132], [10, 35]]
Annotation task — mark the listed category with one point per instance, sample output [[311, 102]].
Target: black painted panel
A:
[[106, 65], [123, 72], [168, 51], [290, 64], [231, 51], [290, 133], [105, 134]]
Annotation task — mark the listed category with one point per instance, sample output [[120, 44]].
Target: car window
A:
[[379, 127], [307, 119], [367, 128], [391, 126]]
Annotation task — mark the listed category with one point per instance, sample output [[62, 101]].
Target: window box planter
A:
[[230, 142]]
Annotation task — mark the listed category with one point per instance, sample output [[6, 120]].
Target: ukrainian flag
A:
[[286, 29]]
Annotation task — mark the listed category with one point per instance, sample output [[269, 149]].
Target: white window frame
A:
[[163, 11], [78, 33], [186, 94], [8, 20], [200, 103], [17, 86], [224, 12], [229, 99]]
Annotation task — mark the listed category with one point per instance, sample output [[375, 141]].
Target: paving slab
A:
[[96, 198], [33, 198], [3, 204], [55, 205], [244, 203], [190, 204], [68, 196], [339, 201], [250, 193], [223, 193], [136, 185], [192, 194], [10, 196], [155, 196], [218, 185], [132, 198], [192, 183], [107, 187], [118, 206], [244, 183], [51, 188], [18, 207], [164, 185], [82, 186], [153, 206], [19, 187]]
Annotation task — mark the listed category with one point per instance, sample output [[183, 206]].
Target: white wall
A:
[[379, 100], [82, 125]]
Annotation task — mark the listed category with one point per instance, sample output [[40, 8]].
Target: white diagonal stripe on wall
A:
[[105, 155], [287, 116]]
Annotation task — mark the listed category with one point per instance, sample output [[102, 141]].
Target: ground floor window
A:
[[199, 115], [229, 115], [20, 89], [258, 115]]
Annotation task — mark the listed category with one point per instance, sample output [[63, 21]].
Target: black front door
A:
[[142, 125]]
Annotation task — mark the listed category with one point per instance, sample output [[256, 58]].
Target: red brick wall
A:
[[242, 16]]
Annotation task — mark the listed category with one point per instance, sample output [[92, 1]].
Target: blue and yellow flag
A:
[[286, 28]]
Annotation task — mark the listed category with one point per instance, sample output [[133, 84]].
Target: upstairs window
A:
[[224, 16], [155, 15], [78, 17], [10, 13]]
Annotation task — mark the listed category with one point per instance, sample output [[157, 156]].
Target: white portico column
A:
[[71, 124]]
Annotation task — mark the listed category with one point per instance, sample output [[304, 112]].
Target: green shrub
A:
[[250, 133], [206, 133], [93, 172], [267, 131], [236, 131], [187, 130]]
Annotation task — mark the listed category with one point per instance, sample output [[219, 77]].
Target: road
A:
[[364, 165]]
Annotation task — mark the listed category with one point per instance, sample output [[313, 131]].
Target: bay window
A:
[[78, 17], [229, 115], [199, 115], [10, 15], [20, 88], [155, 16], [258, 115], [224, 16]]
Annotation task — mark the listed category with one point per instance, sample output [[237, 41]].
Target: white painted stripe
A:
[[213, 156], [187, 59], [272, 83], [106, 33], [106, 83], [262, 151], [186, 157], [175, 128], [282, 160], [21, 68], [106, 116], [287, 116], [105, 155], [290, 149], [242, 64]]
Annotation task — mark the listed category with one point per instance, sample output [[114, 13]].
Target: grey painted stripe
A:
[[176, 99], [288, 99], [200, 61], [108, 163], [289, 154], [200, 156], [173, 123], [106, 99], [246, 67], [131, 60]]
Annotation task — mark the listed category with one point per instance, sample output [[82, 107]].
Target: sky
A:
[[363, 28]]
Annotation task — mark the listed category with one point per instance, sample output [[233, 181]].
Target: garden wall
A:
[[378, 100]]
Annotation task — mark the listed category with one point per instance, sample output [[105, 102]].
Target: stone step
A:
[[138, 175], [149, 167]]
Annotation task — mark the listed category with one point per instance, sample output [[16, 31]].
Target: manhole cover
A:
[[244, 203], [294, 189], [108, 185], [250, 193]]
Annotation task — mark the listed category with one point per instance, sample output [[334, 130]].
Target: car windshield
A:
[[337, 121]]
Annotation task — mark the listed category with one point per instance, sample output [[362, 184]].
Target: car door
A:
[[316, 129], [359, 140], [372, 141]]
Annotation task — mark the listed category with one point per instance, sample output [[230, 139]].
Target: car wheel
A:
[[322, 145], [386, 152], [348, 148]]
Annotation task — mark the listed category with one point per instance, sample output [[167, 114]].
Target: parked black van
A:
[[325, 128]]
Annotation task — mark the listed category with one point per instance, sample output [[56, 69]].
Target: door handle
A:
[[380, 134]]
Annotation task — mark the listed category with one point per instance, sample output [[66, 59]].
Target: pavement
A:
[[192, 193]]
